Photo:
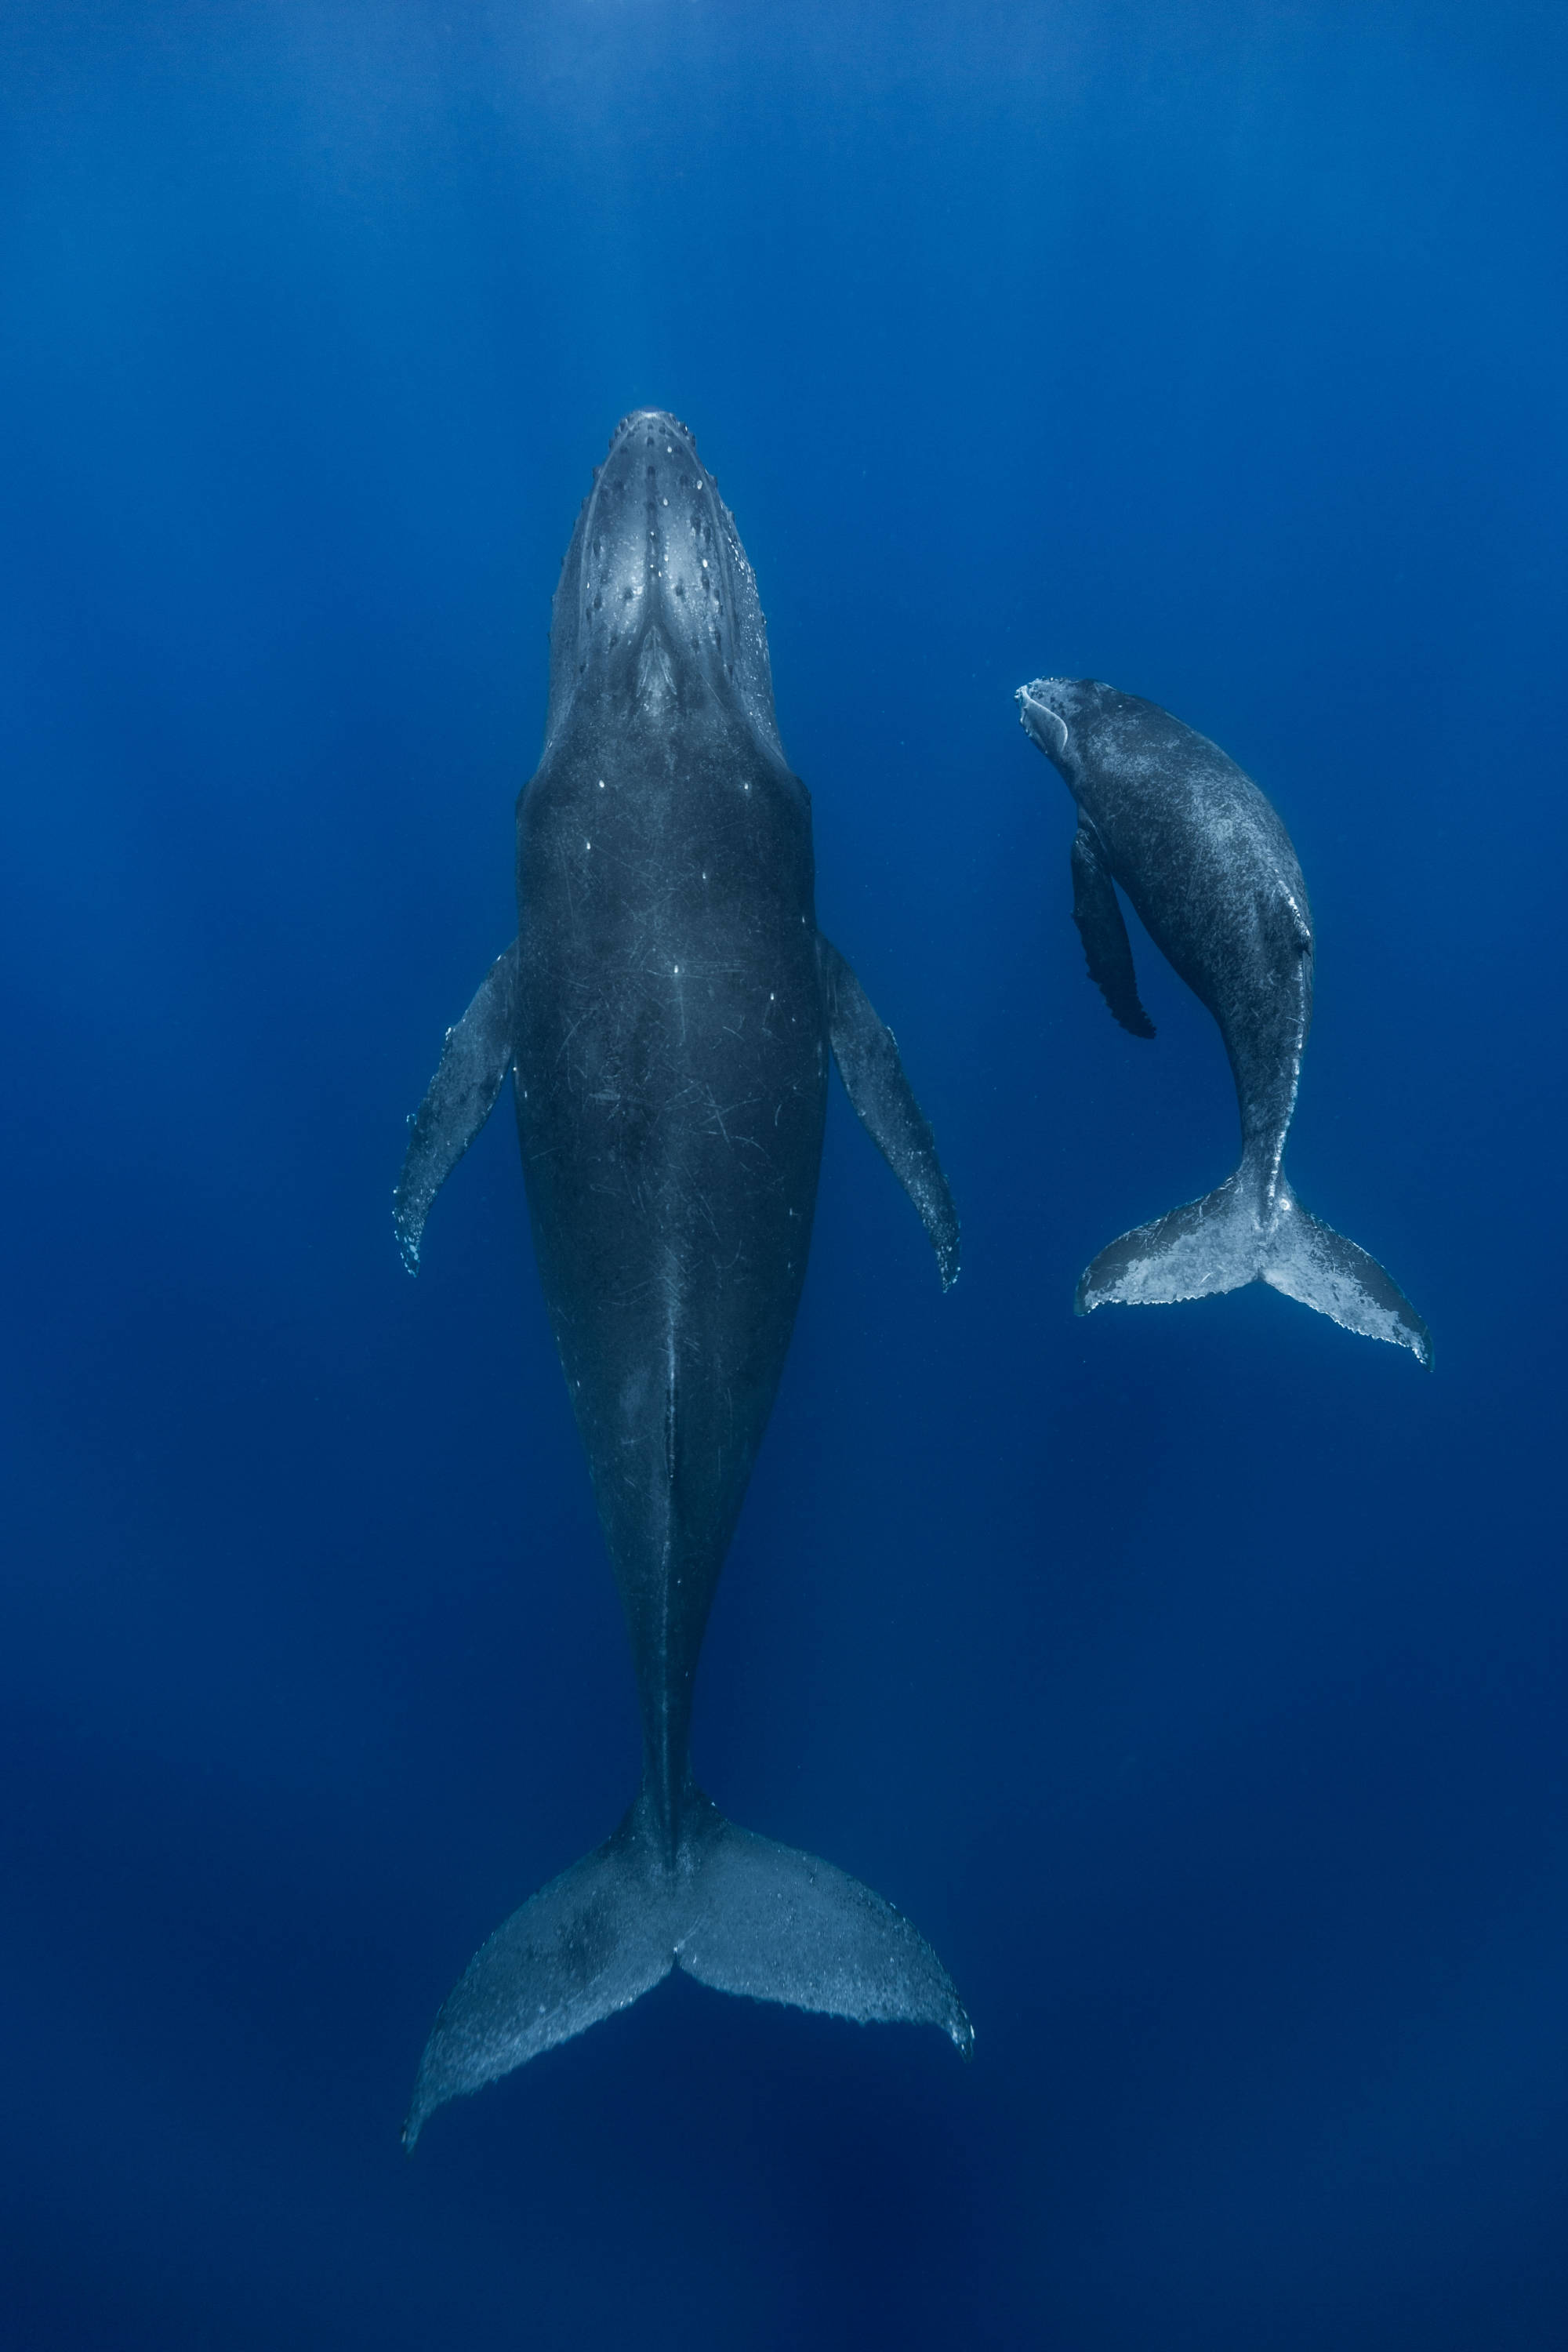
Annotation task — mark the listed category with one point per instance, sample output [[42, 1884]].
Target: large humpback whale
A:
[[667, 1010], [1209, 868]]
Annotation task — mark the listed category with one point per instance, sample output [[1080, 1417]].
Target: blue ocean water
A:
[[1194, 1678]]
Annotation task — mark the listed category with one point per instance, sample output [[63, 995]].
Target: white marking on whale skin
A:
[[1304, 928], [1061, 723], [1030, 703]]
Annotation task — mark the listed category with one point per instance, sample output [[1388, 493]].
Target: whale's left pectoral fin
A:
[[1102, 927], [868, 1057], [460, 1098]]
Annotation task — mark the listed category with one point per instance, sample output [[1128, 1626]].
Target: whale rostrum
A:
[[1210, 872], [667, 1013]]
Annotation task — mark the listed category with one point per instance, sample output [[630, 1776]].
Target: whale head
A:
[[1055, 711], [657, 611]]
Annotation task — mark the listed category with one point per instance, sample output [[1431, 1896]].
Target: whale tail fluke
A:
[[779, 1924], [1223, 1241], [735, 1911], [1309, 1261]]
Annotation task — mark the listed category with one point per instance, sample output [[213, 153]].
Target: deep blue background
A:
[[1195, 1679]]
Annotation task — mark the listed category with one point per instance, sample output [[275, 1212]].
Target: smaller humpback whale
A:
[[667, 1013], [1209, 868]]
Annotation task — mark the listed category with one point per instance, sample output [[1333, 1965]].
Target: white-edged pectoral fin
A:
[[1102, 927], [474, 1060], [867, 1054]]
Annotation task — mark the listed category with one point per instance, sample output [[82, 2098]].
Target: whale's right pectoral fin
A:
[[867, 1054], [474, 1060], [1103, 930]]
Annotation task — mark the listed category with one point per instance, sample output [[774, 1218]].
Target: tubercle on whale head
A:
[[657, 602]]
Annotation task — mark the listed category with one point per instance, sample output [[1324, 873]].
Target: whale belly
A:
[[671, 1083]]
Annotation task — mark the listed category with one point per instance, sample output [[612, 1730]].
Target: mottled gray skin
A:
[[1208, 865], [1211, 871], [672, 1050], [668, 1012]]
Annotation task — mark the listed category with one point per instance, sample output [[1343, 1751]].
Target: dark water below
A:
[[1195, 1678]]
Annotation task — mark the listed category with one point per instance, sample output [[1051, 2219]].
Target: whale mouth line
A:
[[1032, 708]]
